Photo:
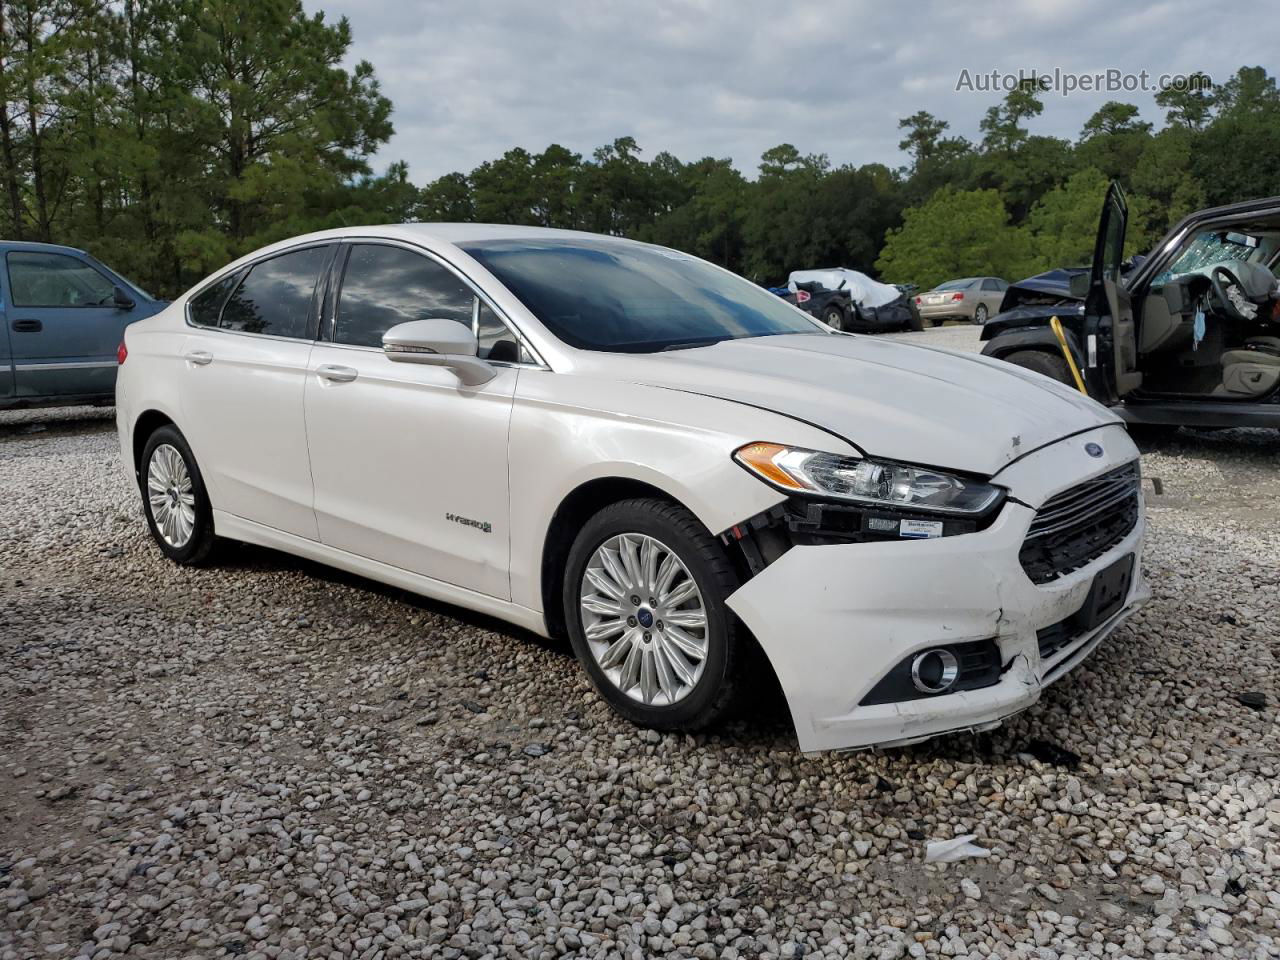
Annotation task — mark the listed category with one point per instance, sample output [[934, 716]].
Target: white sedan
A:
[[694, 480]]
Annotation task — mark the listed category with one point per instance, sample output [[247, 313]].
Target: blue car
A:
[[64, 315]]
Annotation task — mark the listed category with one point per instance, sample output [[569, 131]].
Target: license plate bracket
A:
[[1107, 594]]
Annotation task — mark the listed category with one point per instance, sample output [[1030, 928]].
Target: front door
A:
[[409, 465], [64, 326], [1111, 341], [245, 362]]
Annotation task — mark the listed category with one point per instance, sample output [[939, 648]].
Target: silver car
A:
[[973, 299]]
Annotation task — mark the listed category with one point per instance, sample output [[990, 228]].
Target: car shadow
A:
[[246, 556]]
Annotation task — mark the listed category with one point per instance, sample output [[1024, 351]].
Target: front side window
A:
[[614, 295], [495, 341], [385, 285], [275, 297], [56, 280]]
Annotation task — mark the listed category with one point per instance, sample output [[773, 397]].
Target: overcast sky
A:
[[730, 78]]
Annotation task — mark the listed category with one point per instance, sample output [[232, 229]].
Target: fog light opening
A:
[[934, 671]]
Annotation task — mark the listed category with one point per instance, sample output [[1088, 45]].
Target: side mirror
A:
[[121, 300], [440, 343], [1079, 285]]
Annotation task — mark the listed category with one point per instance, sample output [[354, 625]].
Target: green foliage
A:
[[956, 233], [1063, 224], [169, 136]]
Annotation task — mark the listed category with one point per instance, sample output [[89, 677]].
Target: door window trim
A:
[[8, 275], [338, 268], [242, 272]]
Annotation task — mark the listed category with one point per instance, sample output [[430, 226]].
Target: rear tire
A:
[[1050, 364], [168, 464], [834, 317], [937, 321], [917, 321], [717, 678], [980, 314]]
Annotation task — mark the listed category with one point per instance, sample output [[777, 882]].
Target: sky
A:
[[731, 78]]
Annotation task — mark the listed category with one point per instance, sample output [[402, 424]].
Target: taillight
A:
[[917, 301], [957, 296], [122, 353]]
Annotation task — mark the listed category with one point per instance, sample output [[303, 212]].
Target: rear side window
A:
[[990, 284], [206, 306], [385, 285], [275, 297], [56, 280]]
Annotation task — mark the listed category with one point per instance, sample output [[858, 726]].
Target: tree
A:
[[1113, 139], [957, 233], [275, 114], [924, 133], [1063, 224], [1188, 104]]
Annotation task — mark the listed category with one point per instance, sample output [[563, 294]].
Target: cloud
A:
[[735, 77]]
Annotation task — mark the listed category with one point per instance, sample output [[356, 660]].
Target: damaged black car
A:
[[1187, 336]]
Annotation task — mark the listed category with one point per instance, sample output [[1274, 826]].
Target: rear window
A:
[[275, 298], [206, 306], [955, 285]]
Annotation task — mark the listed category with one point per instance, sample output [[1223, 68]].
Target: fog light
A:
[[934, 671]]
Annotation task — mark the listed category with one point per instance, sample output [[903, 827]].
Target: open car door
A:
[[1111, 340]]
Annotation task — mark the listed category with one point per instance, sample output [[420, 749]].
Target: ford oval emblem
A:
[[1092, 449]]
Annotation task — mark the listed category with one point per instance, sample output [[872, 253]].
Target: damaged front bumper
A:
[[835, 619]]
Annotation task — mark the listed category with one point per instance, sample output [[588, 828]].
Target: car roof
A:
[[455, 233], [35, 247]]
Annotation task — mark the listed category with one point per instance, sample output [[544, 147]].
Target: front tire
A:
[[644, 599], [174, 498], [1050, 364]]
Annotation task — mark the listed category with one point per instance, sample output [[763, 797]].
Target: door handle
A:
[[199, 357], [28, 326], [336, 374]]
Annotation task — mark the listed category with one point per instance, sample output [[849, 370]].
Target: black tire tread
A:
[[1041, 361], [203, 546]]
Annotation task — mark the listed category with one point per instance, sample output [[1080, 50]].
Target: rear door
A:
[[64, 326], [245, 363], [1111, 340]]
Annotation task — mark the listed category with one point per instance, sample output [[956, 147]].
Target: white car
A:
[[584, 434]]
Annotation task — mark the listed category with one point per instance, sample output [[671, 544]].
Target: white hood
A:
[[891, 400]]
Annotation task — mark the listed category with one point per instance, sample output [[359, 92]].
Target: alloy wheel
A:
[[171, 495], [644, 619]]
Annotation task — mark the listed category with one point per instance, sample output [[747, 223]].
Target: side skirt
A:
[[1200, 413], [238, 528]]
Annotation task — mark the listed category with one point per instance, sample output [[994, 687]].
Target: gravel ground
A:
[[271, 759]]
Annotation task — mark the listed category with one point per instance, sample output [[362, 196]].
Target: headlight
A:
[[874, 482]]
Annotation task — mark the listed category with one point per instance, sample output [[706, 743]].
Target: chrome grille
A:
[[1080, 524]]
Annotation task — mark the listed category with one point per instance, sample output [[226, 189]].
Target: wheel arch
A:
[[147, 423], [579, 505]]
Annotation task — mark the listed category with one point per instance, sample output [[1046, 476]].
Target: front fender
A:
[[568, 430]]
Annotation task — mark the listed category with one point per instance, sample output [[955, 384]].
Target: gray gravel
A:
[[268, 759]]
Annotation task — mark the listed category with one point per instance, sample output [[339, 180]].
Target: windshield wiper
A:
[[690, 344]]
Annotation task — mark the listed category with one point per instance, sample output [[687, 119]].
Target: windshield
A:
[[618, 296], [1206, 250]]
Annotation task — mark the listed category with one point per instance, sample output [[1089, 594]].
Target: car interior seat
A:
[[1251, 372]]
